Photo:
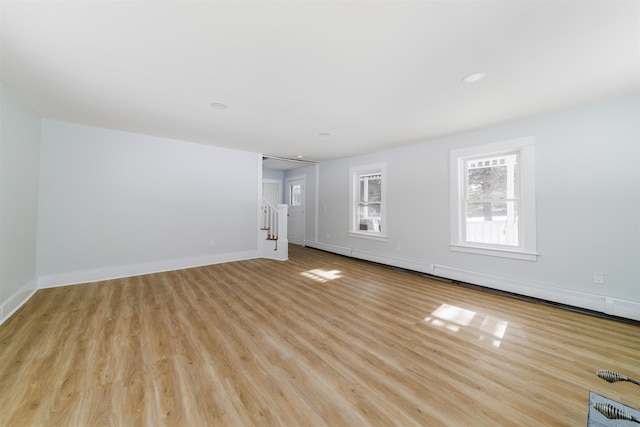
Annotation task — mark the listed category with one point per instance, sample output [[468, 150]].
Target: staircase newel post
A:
[[283, 242]]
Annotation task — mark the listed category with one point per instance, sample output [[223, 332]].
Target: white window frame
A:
[[354, 174], [527, 248]]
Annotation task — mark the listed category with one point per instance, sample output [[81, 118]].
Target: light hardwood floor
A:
[[319, 340]]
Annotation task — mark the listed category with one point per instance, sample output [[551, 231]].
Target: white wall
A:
[[115, 204], [588, 204], [19, 161], [270, 175]]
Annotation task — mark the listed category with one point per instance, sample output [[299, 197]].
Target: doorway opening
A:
[[282, 183]]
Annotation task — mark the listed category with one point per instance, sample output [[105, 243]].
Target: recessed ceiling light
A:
[[473, 77], [299, 156], [218, 105], [324, 134]]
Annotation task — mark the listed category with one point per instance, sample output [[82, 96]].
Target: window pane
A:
[[492, 223], [295, 191], [487, 183], [374, 190], [369, 217], [370, 188], [486, 211], [492, 178]]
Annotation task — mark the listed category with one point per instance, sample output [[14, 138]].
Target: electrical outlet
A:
[[598, 278]]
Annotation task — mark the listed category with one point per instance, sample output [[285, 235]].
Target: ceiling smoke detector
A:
[[473, 77], [218, 105]]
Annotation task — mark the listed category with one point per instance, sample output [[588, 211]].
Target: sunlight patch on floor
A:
[[489, 329], [322, 276]]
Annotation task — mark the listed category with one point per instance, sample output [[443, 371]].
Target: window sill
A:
[[378, 237], [503, 253]]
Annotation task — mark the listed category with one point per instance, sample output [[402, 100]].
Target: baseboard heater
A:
[[582, 300], [599, 303]]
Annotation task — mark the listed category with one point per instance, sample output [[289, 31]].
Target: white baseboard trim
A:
[[599, 303], [594, 302], [408, 264], [17, 300], [120, 271], [340, 250]]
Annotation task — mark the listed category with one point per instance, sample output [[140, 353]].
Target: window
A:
[[491, 192], [295, 190], [368, 202], [493, 199]]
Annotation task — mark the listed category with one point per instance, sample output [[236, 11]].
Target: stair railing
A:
[[270, 220]]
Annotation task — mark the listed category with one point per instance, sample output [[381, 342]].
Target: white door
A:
[[295, 200]]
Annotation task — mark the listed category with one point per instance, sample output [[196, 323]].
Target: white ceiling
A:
[[372, 74]]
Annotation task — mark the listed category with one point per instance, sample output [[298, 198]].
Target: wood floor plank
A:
[[319, 340]]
